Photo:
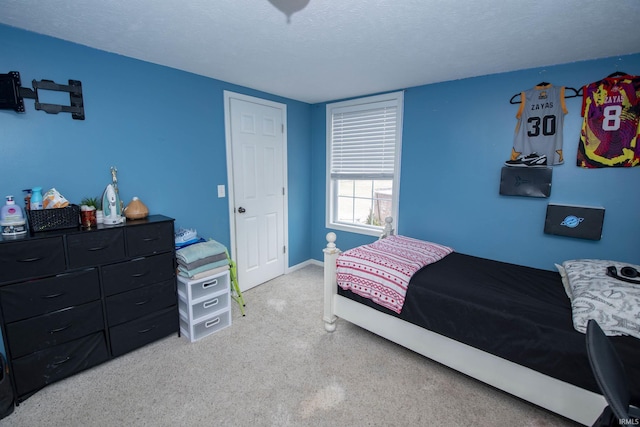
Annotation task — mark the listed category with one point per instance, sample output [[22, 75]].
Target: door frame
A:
[[228, 95]]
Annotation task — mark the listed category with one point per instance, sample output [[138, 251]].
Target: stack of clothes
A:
[[202, 259]]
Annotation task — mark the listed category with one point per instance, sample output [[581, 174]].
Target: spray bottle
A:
[[36, 199]]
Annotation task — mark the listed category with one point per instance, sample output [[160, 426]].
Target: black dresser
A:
[[72, 299]]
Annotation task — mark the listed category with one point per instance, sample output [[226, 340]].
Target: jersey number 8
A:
[[611, 117]]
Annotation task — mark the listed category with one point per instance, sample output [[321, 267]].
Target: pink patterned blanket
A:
[[381, 270]]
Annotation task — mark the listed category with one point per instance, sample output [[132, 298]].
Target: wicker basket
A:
[[54, 219]]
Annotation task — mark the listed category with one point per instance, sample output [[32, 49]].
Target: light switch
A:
[[221, 191]]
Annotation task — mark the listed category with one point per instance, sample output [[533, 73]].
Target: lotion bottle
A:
[[12, 222], [11, 212]]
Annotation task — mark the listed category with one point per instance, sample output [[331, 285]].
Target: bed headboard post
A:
[[331, 253]]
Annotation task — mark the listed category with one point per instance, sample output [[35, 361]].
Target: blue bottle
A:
[[36, 198]]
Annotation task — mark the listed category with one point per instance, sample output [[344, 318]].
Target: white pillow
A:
[[614, 303]]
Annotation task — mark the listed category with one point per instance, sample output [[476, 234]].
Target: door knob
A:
[[241, 210]]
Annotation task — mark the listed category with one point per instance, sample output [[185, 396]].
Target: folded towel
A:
[[200, 250], [205, 273], [190, 273], [200, 262]]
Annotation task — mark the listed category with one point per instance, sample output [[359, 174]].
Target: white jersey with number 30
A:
[[540, 122]]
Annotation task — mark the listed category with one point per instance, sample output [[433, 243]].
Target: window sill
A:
[[369, 231]]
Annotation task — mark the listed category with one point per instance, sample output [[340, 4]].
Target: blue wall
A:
[[456, 137], [162, 128]]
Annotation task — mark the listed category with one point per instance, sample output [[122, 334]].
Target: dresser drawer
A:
[[136, 273], [95, 247], [140, 332], [150, 239], [55, 328], [140, 302], [44, 367], [28, 299], [36, 258]]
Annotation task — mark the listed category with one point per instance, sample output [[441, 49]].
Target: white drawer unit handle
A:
[[211, 323], [211, 303], [211, 283]]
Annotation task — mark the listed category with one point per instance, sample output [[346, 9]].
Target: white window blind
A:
[[364, 141], [364, 144]]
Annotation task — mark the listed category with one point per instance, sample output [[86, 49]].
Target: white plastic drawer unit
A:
[[207, 326], [204, 305], [206, 308], [209, 285]]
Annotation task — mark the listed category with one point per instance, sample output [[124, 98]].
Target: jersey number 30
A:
[[548, 126]]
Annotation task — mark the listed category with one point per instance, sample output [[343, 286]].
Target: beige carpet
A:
[[276, 367]]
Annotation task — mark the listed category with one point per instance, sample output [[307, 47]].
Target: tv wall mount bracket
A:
[[12, 95]]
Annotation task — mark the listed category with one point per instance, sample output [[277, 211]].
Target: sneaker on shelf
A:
[[184, 235], [529, 161]]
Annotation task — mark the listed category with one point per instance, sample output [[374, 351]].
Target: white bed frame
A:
[[557, 396]]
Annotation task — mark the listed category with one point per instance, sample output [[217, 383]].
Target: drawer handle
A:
[[30, 259], [97, 248], [75, 273], [53, 331], [211, 283], [143, 302], [150, 239], [139, 274], [211, 323], [144, 331], [208, 304], [65, 360], [52, 295]]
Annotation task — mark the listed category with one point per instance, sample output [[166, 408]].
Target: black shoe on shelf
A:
[[532, 160]]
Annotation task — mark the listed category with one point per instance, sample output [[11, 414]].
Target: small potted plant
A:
[[88, 209]]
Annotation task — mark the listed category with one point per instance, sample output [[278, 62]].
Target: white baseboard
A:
[[304, 264]]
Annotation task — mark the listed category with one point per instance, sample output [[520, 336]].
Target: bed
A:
[[462, 311]]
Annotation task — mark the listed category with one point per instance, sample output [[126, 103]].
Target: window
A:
[[364, 138]]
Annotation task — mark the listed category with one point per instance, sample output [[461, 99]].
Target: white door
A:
[[256, 141]]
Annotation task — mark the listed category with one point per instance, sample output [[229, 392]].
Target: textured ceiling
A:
[[319, 50]]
